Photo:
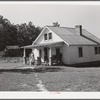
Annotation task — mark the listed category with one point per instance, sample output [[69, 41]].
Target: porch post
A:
[[37, 57], [50, 55], [24, 56]]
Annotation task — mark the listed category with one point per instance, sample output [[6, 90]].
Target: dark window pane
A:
[[50, 35], [99, 50], [45, 36], [96, 50], [80, 52]]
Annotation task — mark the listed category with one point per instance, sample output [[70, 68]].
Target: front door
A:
[[46, 57], [57, 51]]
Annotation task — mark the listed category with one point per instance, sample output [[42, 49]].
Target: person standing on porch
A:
[[31, 59]]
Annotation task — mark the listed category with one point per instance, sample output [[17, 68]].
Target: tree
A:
[[56, 24], [23, 34], [27, 33]]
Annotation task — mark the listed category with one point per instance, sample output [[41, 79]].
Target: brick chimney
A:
[[78, 29]]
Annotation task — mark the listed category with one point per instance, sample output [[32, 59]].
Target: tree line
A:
[[19, 34]]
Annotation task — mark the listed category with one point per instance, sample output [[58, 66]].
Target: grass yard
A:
[[54, 78], [17, 81], [12, 78], [63, 78]]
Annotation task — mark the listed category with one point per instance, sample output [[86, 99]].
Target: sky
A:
[[41, 14]]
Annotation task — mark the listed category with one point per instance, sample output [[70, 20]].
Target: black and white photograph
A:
[[49, 47]]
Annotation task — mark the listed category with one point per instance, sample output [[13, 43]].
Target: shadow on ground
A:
[[86, 65], [29, 70]]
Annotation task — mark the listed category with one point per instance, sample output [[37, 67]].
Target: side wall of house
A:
[[70, 54], [88, 54], [65, 54]]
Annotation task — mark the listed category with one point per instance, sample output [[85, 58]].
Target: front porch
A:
[[45, 54]]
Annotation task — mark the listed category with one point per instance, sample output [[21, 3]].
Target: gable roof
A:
[[69, 35]]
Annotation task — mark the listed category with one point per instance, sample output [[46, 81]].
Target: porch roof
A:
[[43, 45]]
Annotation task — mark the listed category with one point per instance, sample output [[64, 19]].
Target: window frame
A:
[[45, 36], [50, 36], [80, 52], [97, 50]]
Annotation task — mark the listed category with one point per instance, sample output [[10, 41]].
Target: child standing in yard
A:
[[31, 58]]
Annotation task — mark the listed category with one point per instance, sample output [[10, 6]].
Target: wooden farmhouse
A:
[[64, 45]]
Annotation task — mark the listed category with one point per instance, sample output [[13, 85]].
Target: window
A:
[[80, 52], [97, 50], [50, 36], [45, 36]]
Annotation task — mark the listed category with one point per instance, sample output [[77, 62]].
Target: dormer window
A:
[[45, 36], [50, 36]]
